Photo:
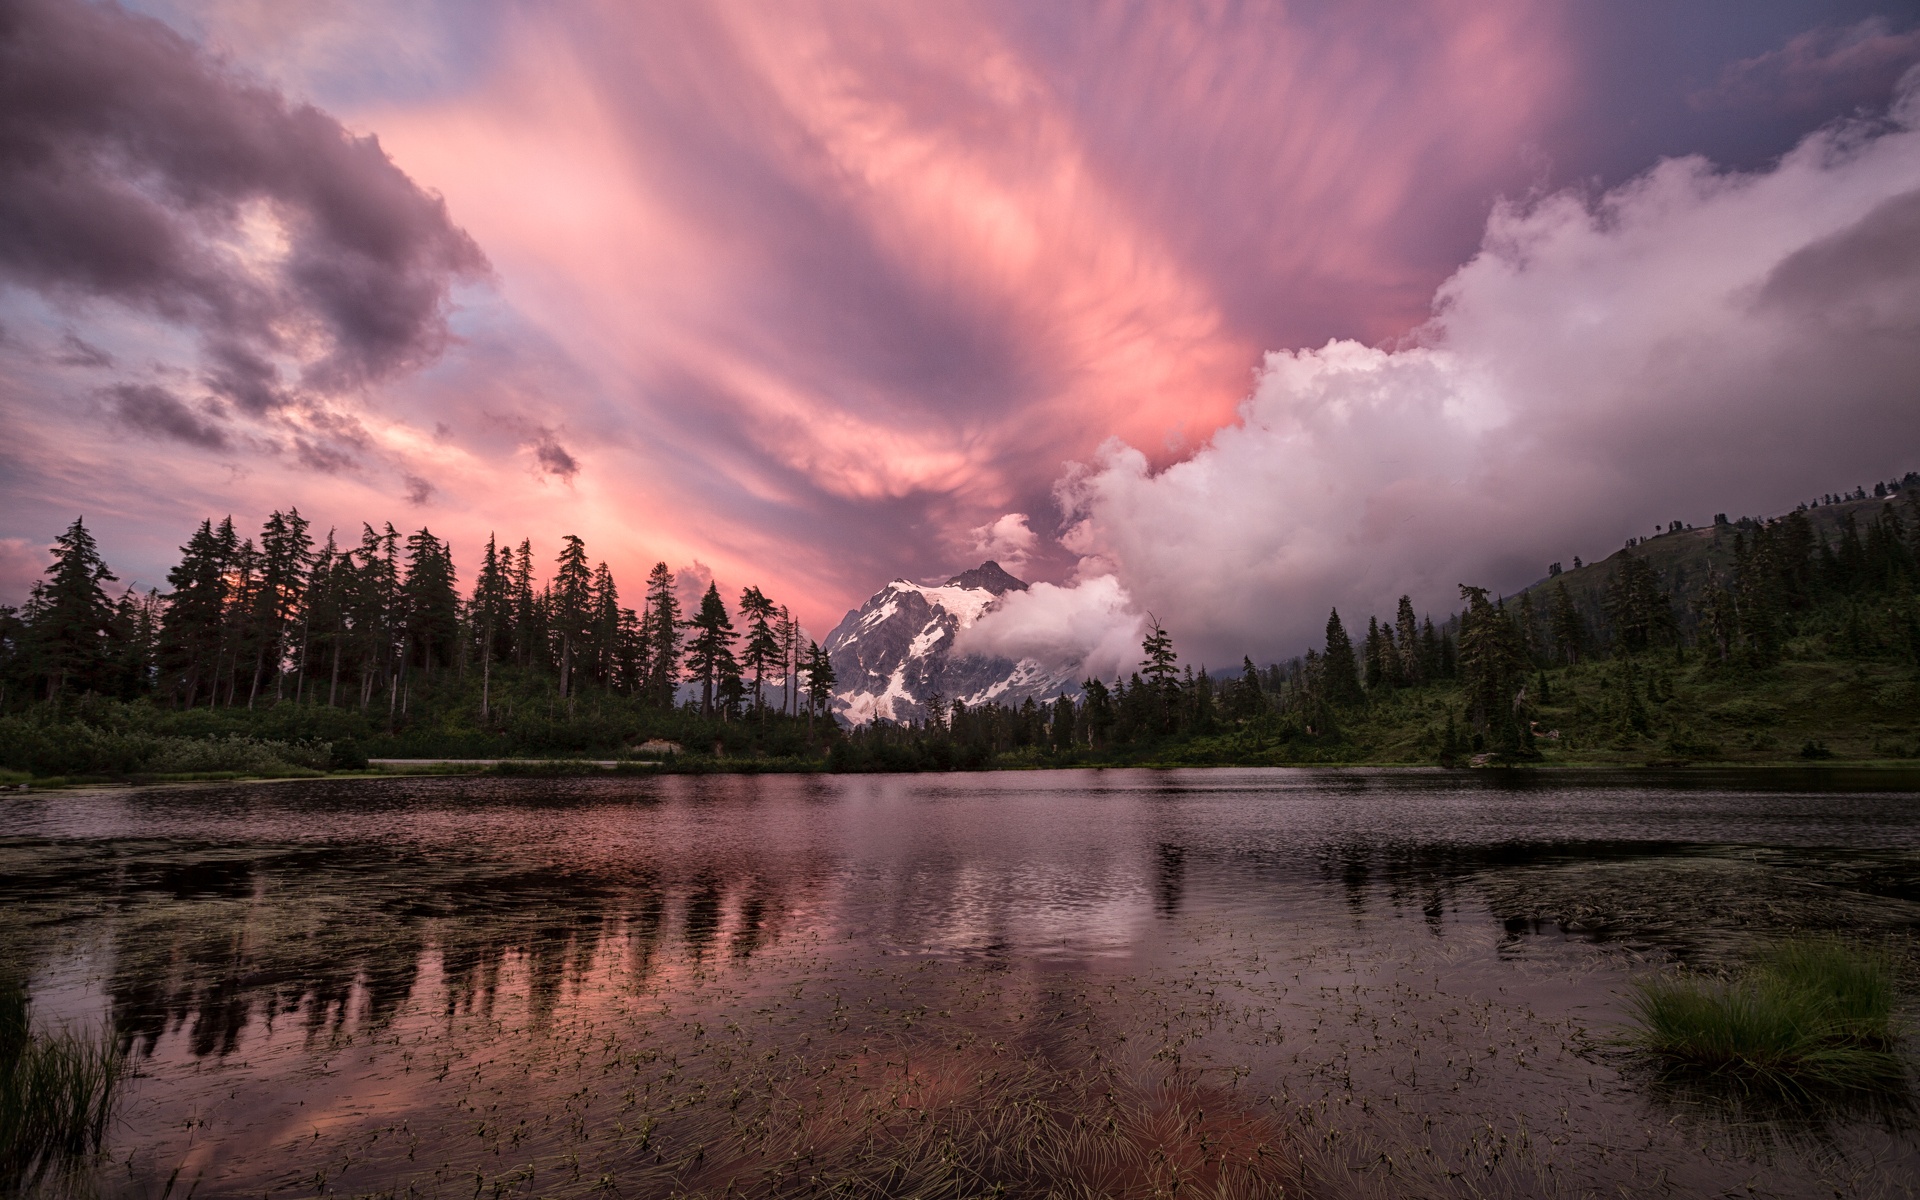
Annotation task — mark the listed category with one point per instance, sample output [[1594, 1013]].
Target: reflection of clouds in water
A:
[[382, 961], [1031, 909]]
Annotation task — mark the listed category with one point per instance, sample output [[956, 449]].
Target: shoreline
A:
[[575, 768]]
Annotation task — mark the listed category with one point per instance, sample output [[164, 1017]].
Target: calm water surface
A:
[[487, 987]]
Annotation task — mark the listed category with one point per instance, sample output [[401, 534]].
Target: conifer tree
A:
[[604, 630], [710, 659], [571, 612], [286, 553], [1413, 663], [529, 628], [73, 625], [1569, 628], [429, 603], [191, 629], [820, 681], [1340, 677], [1158, 701], [663, 627], [762, 650], [1493, 669], [488, 614]]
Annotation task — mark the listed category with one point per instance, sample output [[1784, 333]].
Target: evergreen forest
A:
[[1795, 638]]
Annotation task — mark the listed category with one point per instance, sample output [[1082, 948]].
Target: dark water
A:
[[486, 987]]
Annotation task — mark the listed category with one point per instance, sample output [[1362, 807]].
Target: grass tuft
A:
[[56, 1093], [1811, 1015]]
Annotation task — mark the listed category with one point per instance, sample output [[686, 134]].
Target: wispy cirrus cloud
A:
[[807, 293]]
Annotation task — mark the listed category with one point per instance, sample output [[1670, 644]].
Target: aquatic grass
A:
[[1811, 1015], [56, 1093]]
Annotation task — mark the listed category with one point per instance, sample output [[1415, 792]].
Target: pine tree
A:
[[820, 681], [529, 624], [1340, 677], [430, 603], [571, 611], [762, 650], [286, 555], [1158, 701], [195, 613], [1569, 628], [1493, 668], [710, 660], [324, 616], [73, 625], [136, 639], [489, 613], [663, 627], [604, 630], [1412, 661]]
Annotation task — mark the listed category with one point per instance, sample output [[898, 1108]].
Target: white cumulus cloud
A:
[[1091, 627], [1694, 341]]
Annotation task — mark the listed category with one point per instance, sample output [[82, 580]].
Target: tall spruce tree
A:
[[430, 604], [1413, 663], [1340, 675], [195, 615], [286, 555], [571, 606], [762, 649], [820, 681], [74, 631], [663, 625], [710, 659], [1493, 670]]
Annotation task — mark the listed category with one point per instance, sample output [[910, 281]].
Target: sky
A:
[[1227, 313]]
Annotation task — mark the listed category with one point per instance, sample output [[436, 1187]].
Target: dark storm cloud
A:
[[149, 409], [134, 168], [554, 459]]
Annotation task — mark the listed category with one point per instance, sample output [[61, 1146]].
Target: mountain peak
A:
[[989, 575]]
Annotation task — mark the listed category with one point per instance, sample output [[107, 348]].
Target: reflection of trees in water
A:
[[1169, 877], [210, 939]]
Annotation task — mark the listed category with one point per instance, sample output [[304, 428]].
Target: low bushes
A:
[[78, 748]]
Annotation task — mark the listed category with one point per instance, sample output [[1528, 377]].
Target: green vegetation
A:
[[1791, 640], [1813, 1014], [56, 1094]]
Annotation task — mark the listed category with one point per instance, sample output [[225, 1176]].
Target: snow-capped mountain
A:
[[894, 652]]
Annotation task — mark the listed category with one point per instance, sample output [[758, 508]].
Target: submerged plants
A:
[[56, 1093], [1812, 1015]]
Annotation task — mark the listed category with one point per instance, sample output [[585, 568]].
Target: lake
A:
[[1133, 982]]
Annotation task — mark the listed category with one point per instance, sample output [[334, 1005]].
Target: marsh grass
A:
[[1813, 1015], [959, 1123], [56, 1093]]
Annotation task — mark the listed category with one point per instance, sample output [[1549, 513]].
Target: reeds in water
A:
[[56, 1093], [1812, 1015]]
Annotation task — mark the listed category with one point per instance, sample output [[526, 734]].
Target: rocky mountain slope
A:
[[895, 652]]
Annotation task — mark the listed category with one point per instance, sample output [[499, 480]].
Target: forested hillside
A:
[[1794, 638]]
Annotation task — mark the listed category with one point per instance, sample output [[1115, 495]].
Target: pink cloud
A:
[[809, 292]]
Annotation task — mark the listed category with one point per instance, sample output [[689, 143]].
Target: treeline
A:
[[1480, 680], [288, 620], [375, 642]]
